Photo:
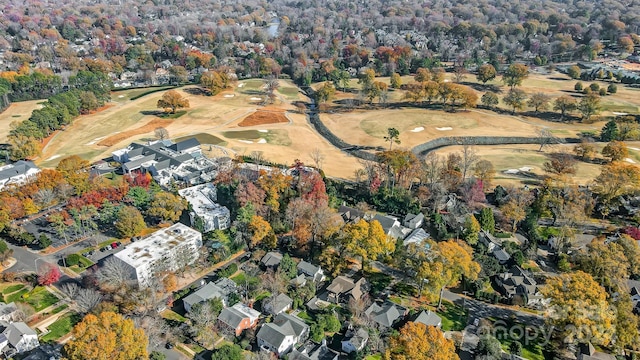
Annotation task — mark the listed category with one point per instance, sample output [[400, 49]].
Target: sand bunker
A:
[[246, 141], [95, 140], [526, 168], [255, 99], [629, 160], [418, 129], [262, 141], [446, 128], [121, 96], [53, 157], [263, 131], [229, 95], [241, 85], [619, 113], [512, 171]]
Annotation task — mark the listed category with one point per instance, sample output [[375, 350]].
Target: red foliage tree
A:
[[48, 274], [632, 231], [139, 179]]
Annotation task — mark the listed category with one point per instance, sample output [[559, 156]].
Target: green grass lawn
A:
[[172, 315], [12, 288], [240, 279], [203, 138], [374, 357], [16, 296], [454, 318], [40, 298], [305, 316], [59, 309], [529, 351], [61, 327]]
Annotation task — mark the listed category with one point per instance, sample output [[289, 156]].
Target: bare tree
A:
[[203, 319], [431, 166], [64, 191], [258, 157], [161, 133], [154, 327], [70, 290], [546, 137], [114, 273], [271, 86], [87, 300], [469, 158], [317, 157], [44, 197], [357, 308]]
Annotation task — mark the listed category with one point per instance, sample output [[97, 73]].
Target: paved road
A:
[[26, 260]]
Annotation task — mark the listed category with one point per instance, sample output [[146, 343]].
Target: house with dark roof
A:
[[17, 173], [518, 285], [279, 304], [17, 337], [494, 246], [412, 221], [312, 271], [354, 340], [271, 259], [427, 317], [167, 161], [386, 314], [281, 335], [635, 299], [221, 289], [351, 215], [238, 318], [342, 289], [9, 312], [586, 351], [314, 352]]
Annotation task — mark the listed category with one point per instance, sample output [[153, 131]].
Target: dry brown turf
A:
[[148, 127], [263, 117]]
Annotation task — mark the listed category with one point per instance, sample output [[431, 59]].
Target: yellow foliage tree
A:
[[366, 240], [579, 308], [107, 336], [171, 101], [416, 341], [260, 229]]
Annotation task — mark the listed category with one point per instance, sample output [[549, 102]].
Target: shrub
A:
[[229, 270], [73, 259], [612, 89], [594, 87], [578, 86]]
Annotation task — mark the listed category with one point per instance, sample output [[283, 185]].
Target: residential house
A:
[[518, 285], [417, 236], [428, 317], [167, 249], [412, 221], [281, 335], [167, 161], [386, 314], [9, 312], [588, 352], [17, 337], [314, 272], [279, 304], [354, 340], [238, 318], [494, 246], [202, 199], [17, 173], [314, 352], [635, 299], [221, 289], [271, 259], [392, 226], [343, 289], [351, 215]]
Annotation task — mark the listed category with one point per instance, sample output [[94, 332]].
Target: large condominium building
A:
[[202, 199], [167, 249], [17, 173]]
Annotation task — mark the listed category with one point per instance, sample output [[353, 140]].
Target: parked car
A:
[[169, 345], [114, 245]]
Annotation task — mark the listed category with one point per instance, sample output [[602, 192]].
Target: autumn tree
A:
[[326, 93], [514, 209], [515, 74], [515, 98], [23, 147], [393, 136], [215, 81], [489, 99], [564, 104], [539, 101], [586, 150], [616, 179], [560, 164], [580, 311], [75, 171], [167, 207], [471, 230], [48, 274], [395, 81], [485, 172], [171, 101], [589, 105], [486, 73], [260, 230], [615, 151], [417, 341], [107, 336], [574, 72], [129, 221], [366, 240], [606, 263]]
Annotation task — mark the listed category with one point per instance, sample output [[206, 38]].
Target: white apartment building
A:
[[202, 199], [167, 249], [17, 173]]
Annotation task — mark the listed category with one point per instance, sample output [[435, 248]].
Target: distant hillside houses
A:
[[167, 161]]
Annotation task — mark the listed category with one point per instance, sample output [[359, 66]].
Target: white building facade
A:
[[202, 199], [165, 250]]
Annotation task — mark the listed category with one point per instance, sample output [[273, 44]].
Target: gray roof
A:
[[350, 214], [15, 331], [220, 289], [279, 304], [517, 281], [7, 309], [416, 237], [386, 314], [343, 285], [233, 316], [271, 259], [313, 352], [185, 145], [387, 222], [501, 255], [414, 218], [428, 318], [16, 169], [308, 268], [356, 337], [282, 326]]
